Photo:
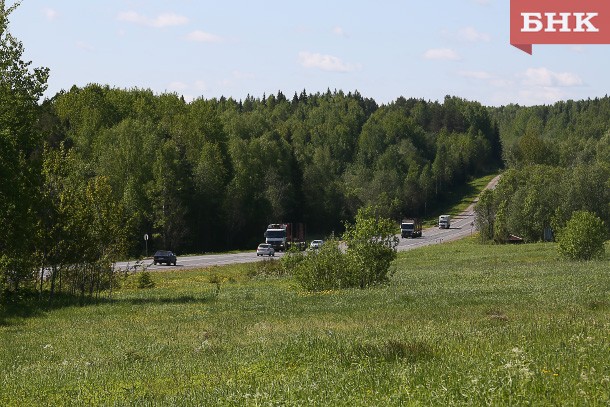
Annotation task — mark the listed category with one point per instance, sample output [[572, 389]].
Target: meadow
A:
[[458, 324]]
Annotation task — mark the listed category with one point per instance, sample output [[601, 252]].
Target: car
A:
[[164, 256], [265, 249], [315, 244]]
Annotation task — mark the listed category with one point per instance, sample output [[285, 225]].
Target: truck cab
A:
[[410, 228], [444, 222], [275, 235]]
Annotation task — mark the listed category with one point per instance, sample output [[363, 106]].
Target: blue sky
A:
[[384, 49]]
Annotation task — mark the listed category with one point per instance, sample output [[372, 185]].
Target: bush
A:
[[321, 269], [145, 280], [583, 237], [291, 260], [370, 247]]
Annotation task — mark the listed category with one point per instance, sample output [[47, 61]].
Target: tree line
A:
[[211, 174], [110, 165], [558, 163]]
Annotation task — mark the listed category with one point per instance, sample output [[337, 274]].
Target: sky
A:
[[383, 49]]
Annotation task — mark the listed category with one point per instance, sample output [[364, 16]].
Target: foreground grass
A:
[[459, 324]]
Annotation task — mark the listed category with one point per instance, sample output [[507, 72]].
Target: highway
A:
[[461, 226]]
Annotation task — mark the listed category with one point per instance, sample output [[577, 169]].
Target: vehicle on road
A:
[[315, 244], [164, 256], [410, 228], [444, 222], [265, 249], [283, 236]]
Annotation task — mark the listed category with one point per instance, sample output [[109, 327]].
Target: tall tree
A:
[[20, 90]]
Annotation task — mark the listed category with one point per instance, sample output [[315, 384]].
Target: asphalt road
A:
[[461, 226]]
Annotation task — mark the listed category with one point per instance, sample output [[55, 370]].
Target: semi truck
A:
[[410, 228], [444, 222], [283, 236]]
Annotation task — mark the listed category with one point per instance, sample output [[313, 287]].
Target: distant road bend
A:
[[462, 225]]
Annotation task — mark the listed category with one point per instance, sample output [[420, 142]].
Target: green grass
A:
[[459, 324]]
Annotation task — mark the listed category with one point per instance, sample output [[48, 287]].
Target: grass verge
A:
[[459, 324]]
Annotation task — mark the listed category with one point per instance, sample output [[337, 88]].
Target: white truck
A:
[[444, 222], [283, 236]]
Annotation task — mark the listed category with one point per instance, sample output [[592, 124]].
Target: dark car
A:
[[164, 256]]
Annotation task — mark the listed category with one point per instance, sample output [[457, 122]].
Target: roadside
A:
[[462, 225]]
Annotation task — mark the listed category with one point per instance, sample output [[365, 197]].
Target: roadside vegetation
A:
[[362, 258], [558, 164], [457, 324]]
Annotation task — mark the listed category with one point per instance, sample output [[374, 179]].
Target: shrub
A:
[[321, 269], [291, 260], [369, 249], [145, 280], [583, 237]]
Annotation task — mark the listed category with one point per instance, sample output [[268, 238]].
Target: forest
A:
[[557, 161], [88, 172]]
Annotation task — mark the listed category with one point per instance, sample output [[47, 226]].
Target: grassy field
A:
[[459, 324]]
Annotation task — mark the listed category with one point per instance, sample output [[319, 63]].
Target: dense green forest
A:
[[211, 174], [558, 162], [86, 173]]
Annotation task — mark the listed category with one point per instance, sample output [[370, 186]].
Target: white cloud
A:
[[544, 77], [161, 21], [536, 86], [324, 62], [540, 96], [169, 20], [470, 34], [340, 32], [177, 86], [487, 77], [201, 86], [50, 14], [201, 36], [442, 54]]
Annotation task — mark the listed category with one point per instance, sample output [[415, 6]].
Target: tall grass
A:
[[459, 324]]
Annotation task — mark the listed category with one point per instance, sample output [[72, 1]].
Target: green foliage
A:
[[485, 215], [371, 247], [145, 280], [534, 198], [20, 90], [583, 237], [323, 269], [291, 259], [362, 259], [208, 175]]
